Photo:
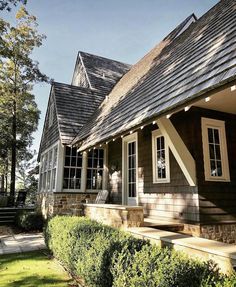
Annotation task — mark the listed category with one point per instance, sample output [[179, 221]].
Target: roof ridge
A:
[[138, 96], [102, 57]]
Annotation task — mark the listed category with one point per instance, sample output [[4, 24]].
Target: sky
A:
[[123, 30]]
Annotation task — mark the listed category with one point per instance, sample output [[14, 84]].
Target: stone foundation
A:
[[115, 215], [221, 232], [62, 203]]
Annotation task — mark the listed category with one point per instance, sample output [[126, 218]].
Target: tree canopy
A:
[[19, 114], [6, 4]]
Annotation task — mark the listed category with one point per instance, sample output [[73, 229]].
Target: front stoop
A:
[[221, 253]]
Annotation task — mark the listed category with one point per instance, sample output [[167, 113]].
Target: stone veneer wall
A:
[[119, 216], [62, 203], [221, 232]]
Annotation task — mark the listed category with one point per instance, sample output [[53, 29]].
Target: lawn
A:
[[32, 269]]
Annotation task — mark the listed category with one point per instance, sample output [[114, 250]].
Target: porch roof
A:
[[178, 70]]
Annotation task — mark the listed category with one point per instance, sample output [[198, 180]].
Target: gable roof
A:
[[176, 71], [101, 73], [74, 106]]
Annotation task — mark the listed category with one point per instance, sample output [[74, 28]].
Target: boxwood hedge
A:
[[104, 257]]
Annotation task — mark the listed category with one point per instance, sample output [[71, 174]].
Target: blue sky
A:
[[122, 30]]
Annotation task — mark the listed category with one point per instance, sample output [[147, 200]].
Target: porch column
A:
[[179, 150], [60, 168], [84, 171], [105, 172]]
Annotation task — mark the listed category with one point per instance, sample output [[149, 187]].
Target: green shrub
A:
[[29, 220], [153, 266], [86, 247], [228, 281], [103, 257]]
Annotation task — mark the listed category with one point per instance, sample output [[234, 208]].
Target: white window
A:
[[215, 150], [160, 158], [95, 169], [72, 168], [51, 114], [47, 180]]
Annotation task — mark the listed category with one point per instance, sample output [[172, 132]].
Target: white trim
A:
[[156, 134], [51, 148], [105, 168], [60, 167], [84, 171], [125, 140], [46, 150], [179, 150], [86, 74], [220, 126]]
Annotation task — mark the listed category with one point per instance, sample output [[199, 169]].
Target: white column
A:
[[84, 171], [60, 167], [105, 170]]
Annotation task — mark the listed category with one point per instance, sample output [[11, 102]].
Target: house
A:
[[159, 134]]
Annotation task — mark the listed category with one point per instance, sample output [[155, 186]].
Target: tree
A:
[[6, 4], [18, 73]]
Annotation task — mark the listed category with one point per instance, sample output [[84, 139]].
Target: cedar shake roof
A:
[[101, 73], [74, 106], [181, 68]]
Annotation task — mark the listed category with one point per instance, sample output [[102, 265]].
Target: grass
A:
[[32, 269]]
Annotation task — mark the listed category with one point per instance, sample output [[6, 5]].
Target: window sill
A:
[[217, 179], [161, 181]]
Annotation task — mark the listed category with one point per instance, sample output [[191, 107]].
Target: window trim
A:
[[220, 126], [155, 134], [43, 171], [71, 167], [92, 168], [125, 141]]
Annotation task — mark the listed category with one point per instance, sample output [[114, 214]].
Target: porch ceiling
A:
[[223, 101]]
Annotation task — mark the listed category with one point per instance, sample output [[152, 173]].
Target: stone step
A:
[[7, 214], [163, 225], [6, 221]]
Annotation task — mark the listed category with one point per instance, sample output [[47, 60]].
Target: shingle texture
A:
[[102, 73], [74, 106], [93, 78], [176, 71]]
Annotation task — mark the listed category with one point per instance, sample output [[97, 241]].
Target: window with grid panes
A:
[[72, 168], [215, 150], [47, 180], [95, 169], [132, 169], [160, 158]]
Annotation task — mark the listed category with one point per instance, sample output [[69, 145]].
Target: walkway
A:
[[22, 242]]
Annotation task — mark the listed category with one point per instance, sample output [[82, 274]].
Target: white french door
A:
[[129, 170]]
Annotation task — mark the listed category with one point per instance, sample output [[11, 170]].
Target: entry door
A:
[[130, 159]]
